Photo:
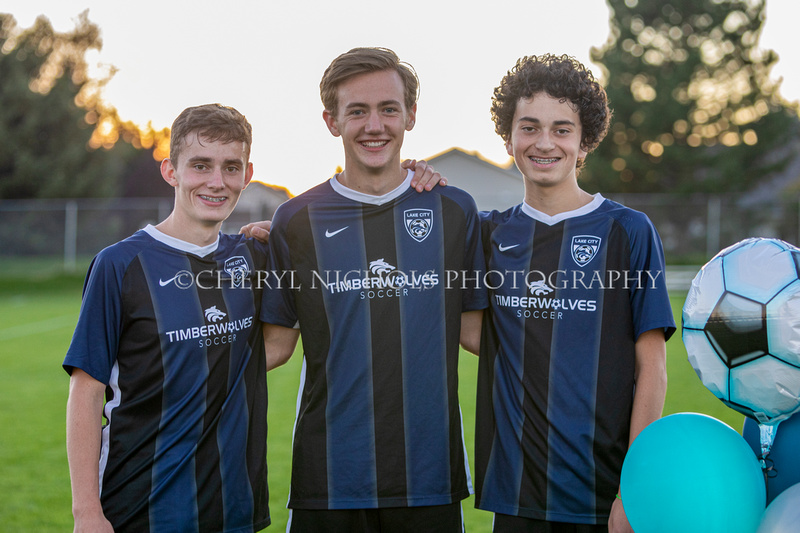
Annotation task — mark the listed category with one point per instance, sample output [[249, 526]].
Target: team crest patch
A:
[[418, 223], [237, 269], [584, 248]]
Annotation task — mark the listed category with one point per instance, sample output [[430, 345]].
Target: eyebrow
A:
[[384, 103], [201, 159], [565, 122]]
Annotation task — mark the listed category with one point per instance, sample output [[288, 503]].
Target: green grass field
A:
[[36, 322]]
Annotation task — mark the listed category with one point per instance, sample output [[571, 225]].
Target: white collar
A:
[[369, 198], [199, 251], [555, 219]]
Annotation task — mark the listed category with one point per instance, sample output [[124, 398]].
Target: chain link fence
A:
[[71, 230], [693, 228]]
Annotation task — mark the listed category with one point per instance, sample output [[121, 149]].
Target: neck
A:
[[375, 184], [553, 201], [193, 233]]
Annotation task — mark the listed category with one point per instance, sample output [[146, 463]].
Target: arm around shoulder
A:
[[257, 230], [279, 342], [84, 425]]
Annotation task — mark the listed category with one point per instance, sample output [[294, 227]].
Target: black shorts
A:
[[432, 519], [504, 523]]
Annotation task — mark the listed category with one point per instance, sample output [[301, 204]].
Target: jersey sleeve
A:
[[278, 304], [260, 253], [96, 338], [650, 299], [476, 295]]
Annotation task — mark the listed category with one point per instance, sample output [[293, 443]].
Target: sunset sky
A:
[[266, 58]]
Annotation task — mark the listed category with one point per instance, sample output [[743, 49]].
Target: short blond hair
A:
[[361, 61], [211, 122]]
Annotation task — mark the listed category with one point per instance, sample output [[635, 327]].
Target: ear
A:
[[411, 119], [509, 148], [168, 172], [248, 175], [330, 121]]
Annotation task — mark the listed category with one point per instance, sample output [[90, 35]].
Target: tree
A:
[[57, 138], [694, 107]]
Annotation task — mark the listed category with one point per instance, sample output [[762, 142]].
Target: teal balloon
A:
[[691, 473], [784, 455], [783, 514]]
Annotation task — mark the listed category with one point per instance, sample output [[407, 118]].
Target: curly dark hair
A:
[[561, 77]]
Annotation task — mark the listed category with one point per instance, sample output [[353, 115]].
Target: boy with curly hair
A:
[[573, 356]]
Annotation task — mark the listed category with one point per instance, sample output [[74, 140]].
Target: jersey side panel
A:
[[292, 251], [539, 320], [238, 430], [127, 473], [388, 362], [574, 376], [419, 239], [349, 418]]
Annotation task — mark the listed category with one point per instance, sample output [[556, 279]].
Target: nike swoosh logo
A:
[[170, 280], [504, 248], [329, 233]]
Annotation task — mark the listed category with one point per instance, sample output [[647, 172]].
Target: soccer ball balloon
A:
[[741, 328]]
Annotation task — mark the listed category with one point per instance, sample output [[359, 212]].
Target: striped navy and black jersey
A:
[[377, 290], [569, 297], [173, 331]]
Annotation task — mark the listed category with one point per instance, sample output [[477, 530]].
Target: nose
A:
[[544, 141], [215, 179], [374, 123]]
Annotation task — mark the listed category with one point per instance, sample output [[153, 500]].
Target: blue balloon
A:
[[691, 473], [783, 514], [784, 457]]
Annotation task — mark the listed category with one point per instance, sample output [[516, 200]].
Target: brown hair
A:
[[561, 77], [211, 122], [361, 61]]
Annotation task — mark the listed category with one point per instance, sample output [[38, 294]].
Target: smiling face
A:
[[372, 119], [208, 178], [545, 142]]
